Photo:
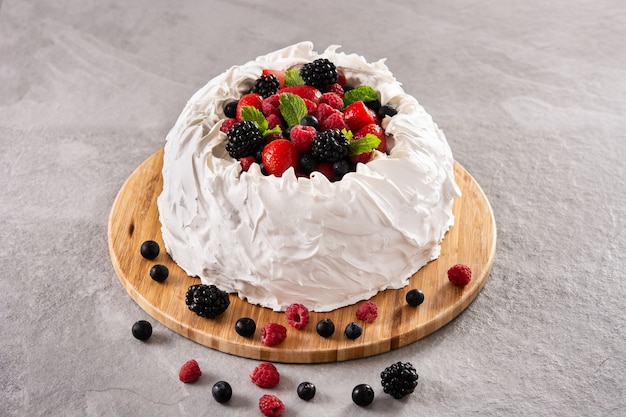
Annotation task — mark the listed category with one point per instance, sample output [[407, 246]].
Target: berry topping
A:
[[310, 120], [230, 109], [325, 328], [278, 156], [227, 125], [306, 391], [273, 334], [375, 130], [246, 162], [326, 168], [333, 100], [206, 300], [279, 74], [302, 137], [252, 100], [363, 395], [341, 168], [189, 372], [266, 85], [414, 297], [386, 110], [142, 330], [320, 73], [159, 272], [265, 375], [297, 316], [460, 275], [330, 145], [222, 392], [353, 330], [399, 379], [307, 163], [243, 139], [245, 327], [271, 405], [368, 311], [149, 249], [303, 91], [334, 120], [358, 115]]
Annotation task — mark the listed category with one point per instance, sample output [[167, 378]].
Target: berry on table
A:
[[399, 379], [222, 392], [363, 395], [353, 330], [265, 375], [207, 300], [325, 328], [414, 297], [297, 316], [245, 327], [159, 272], [142, 330], [189, 372], [271, 405], [149, 249], [368, 311], [306, 391], [243, 139], [460, 275], [273, 334]]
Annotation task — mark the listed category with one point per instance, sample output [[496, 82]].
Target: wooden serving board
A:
[[134, 219]]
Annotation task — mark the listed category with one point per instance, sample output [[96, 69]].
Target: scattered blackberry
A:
[[244, 139], [399, 379], [159, 272], [149, 249], [206, 300], [266, 85], [230, 109], [320, 74], [330, 145]]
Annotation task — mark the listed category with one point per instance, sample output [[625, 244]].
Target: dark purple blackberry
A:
[[149, 249], [320, 74], [266, 85], [159, 272], [230, 109], [306, 391], [363, 395], [353, 330], [325, 328], [330, 145], [206, 300], [244, 138], [399, 379]]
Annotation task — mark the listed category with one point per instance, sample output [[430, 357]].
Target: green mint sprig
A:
[[292, 107], [293, 77], [254, 115], [364, 144], [362, 93]]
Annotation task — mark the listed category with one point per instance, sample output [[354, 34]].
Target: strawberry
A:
[[326, 168], [254, 100], [304, 91], [302, 138], [311, 106], [358, 115], [265, 375], [375, 130], [279, 74], [362, 157], [278, 156], [190, 371], [334, 121]]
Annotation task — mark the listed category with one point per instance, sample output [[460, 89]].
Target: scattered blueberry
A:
[[353, 330], [159, 272], [325, 328], [362, 395], [414, 297], [222, 391], [245, 327], [142, 330], [149, 249], [306, 391]]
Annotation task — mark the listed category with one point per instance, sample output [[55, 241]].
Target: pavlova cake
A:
[[305, 177]]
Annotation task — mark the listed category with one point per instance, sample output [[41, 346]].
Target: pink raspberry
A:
[[189, 372], [460, 275], [227, 124], [311, 106], [273, 334], [337, 89], [368, 311], [302, 138], [333, 100], [270, 105], [297, 316], [265, 375], [333, 121], [246, 161], [271, 405], [323, 111], [273, 121]]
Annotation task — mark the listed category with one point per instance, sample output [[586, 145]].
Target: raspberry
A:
[[265, 375], [368, 311], [246, 161], [270, 105], [273, 121], [337, 89], [302, 138], [399, 379], [460, 275], [334, 121], [272, 334], [189, 372], [271, 405], [333, 100], [227, 125], [297, 316], [323, 111]]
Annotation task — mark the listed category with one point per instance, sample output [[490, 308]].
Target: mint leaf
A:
[[293, 77], [275, 129], [347, 134], [364, 144], [362, 93], [292, 108], [252, 114]]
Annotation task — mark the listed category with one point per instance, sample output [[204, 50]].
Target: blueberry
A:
[[325, 328], [362, 395], [353, 330], [341, 168], [309, 120], [308, 163], [306, 391], [414, 297], [287, 132], [159, 272], [386, 110], [230, 109], [373, 105], [142, 330], [149, 249], [245, 327], [222, 391]]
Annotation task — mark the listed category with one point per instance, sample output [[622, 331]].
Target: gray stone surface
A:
[[532, 97]]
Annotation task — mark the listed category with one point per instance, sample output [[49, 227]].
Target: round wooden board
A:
[[134, 219]]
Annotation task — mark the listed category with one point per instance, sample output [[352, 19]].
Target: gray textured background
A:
[[531, 95]]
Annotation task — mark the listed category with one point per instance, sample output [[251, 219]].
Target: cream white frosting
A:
[[277, 241]]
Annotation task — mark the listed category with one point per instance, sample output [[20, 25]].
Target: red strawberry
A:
[[460, 275], [358, 115], [297, 316], [279, 74], [311, 106], [271, 406], [368, 311], [265, 375], [269, 105], [246, 161], [304, 91], [302, 138], [333, 100], [272, 334], [190, 371], [362, 157], [278, 156], [227, 124], [375, 130], [254, 100]]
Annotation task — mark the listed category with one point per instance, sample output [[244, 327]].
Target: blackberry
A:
[[399, 379], [320, 74], [266, 85], [330, 145], [206, 300], [244, 138]]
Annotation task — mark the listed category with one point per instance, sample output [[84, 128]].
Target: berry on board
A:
[[273, 334], [460, 275]]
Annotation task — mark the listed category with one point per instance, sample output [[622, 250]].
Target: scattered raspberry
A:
[[368, 311], [297, 316], [227, 124], [302, 138], [265, 375], [460, 275], [189, 372], [271, 405], [273, 334]]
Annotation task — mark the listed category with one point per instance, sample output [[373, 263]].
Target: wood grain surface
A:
[[134, 219]]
